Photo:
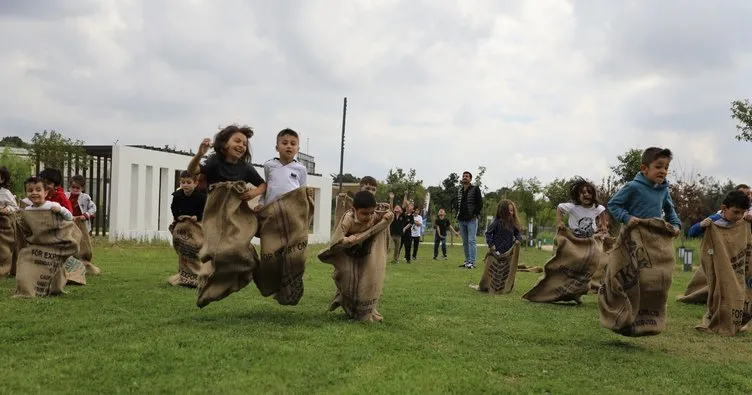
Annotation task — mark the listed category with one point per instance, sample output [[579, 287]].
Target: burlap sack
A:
[[726, 256], [20, 242], [529, 269], [359, 260], [75, 271], [84, 248], [344, 204], [283, 230], [50, 242], [697, 289], [7, 242], [567, 274], [633, 294], [187, 239], [228, 257], [500, 271], [607, 243]]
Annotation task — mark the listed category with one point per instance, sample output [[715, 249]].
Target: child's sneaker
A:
[[445, 258]]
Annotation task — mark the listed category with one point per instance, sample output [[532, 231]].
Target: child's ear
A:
[[643, 169], [723, 207]]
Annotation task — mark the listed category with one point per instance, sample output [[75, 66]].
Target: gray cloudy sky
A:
[[547, 88]]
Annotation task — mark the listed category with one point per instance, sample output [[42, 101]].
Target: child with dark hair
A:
[[83, 207], [37, 191], [8, 202], [358, 253], [188, 201], [505, 230], [586, 216], [284, 174], [53, 180], [733, 209], [647, 196], [230, 161]]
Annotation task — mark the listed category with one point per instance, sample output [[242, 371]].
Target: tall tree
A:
[[523, 193], [557, 191], [628, 166], [346, 178], [13, 141], [55, 150], [445, 195], [400, 183], [741, 111], [478, 179], [20, 169]]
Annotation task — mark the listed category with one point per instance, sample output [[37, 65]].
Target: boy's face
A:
[[288, 147], [397, 210], [75, 189], [442, 213], [187, 184], [36, 192], [745, 191], [732, 214], [657, 170], [368, 188], [364, 215]]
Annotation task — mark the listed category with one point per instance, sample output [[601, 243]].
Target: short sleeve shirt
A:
[[217, 170]]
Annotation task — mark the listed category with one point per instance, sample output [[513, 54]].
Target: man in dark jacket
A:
[[469, 205]]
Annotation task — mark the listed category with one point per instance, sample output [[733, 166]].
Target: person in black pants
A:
[[407, 237]]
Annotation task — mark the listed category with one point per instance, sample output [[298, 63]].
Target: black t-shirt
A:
[[216, 170], [395, 228], [443, 225], [188, 205]]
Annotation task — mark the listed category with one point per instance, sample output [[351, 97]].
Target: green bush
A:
[[20, 169]]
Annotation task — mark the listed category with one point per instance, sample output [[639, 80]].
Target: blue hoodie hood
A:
[[642, 198]]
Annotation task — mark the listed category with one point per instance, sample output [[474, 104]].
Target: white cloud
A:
[[526, 88]]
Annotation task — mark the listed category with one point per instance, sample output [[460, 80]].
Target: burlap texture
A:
[[726, 255], [500, 271], [228, 257], [50, 240], [75, 271], [529, 269], [358, 254], [7, 242], [697, 289], [344, 204], [607, 244], [633, 294], [567, 273], [187, 239], [283, 230], [20, 242], [85, 251]]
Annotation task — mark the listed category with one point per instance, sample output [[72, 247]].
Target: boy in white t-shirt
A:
[[283, 174], [586, 216], [36, 193]]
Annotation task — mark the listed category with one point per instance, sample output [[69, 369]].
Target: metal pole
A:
[[342, 148]]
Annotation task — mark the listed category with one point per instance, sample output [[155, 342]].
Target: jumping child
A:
[[586, 216]]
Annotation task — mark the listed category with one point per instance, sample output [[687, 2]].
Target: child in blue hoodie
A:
[[647, 196]]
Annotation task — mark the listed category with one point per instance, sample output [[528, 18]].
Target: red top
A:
[[58, 195]]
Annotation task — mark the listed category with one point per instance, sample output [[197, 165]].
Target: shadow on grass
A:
[[624, 346]]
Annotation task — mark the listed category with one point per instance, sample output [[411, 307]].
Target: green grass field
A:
[[128, 331]]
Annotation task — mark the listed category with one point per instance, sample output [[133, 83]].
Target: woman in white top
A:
[[586, 216]]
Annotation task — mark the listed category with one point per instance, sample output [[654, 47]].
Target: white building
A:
[[132, 187]]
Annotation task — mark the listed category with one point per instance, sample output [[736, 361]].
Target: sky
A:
[[537, 88]]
